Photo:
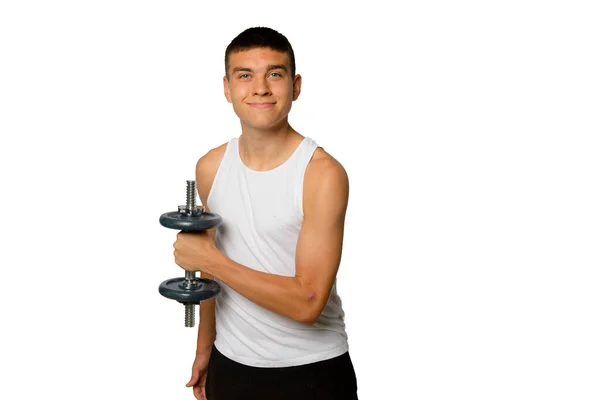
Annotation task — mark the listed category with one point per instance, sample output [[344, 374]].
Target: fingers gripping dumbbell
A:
[[189, 290]]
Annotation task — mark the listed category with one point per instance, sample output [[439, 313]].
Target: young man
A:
[[276, 330]]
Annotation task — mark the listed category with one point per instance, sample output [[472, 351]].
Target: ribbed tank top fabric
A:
[[262, 216]]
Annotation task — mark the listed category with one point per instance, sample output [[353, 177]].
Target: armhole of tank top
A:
[[218, 173], [301, 181]]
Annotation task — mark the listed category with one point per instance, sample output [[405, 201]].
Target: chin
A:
[[262, 124]]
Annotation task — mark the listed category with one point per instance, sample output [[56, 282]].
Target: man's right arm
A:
[[206, 328], [206, 170]]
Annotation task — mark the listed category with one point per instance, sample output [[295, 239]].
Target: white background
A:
[[469, 131]]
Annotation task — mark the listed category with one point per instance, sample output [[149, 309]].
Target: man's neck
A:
[[263, 150]]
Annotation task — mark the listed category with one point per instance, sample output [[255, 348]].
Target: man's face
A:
[[260, 87]]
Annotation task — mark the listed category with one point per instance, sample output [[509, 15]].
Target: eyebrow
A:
[[269, 68]]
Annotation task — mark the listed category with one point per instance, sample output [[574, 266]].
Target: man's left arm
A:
[[318, 252]]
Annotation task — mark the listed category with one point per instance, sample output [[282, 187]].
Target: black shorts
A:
[[332, 379]]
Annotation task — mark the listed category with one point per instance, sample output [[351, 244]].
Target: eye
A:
[[244, 76], [276, 75]]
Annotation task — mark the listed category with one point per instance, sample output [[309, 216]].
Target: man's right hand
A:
[[199, 370]]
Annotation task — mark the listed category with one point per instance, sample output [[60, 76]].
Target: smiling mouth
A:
[[261, 105]]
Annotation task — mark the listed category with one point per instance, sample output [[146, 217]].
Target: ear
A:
[[226, 89], [297, 85]]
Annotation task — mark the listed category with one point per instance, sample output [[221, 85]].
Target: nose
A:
[[261, 87]]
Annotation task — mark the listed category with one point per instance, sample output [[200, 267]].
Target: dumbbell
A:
[[189, 290]]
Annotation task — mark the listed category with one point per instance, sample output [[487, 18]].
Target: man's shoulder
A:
[[325, 184], [206, 169], [212, 157], [324, 167], [323, 162], [208, 164]]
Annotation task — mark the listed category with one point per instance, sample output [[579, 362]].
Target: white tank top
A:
[[262, 215]]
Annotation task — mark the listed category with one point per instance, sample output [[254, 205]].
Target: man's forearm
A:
[[281, 294], [206, 326]]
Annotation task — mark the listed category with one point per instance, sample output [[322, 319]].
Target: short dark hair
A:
[[260, 37]]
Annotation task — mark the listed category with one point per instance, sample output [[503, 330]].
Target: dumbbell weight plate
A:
[[176, 289], [190, 223]]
